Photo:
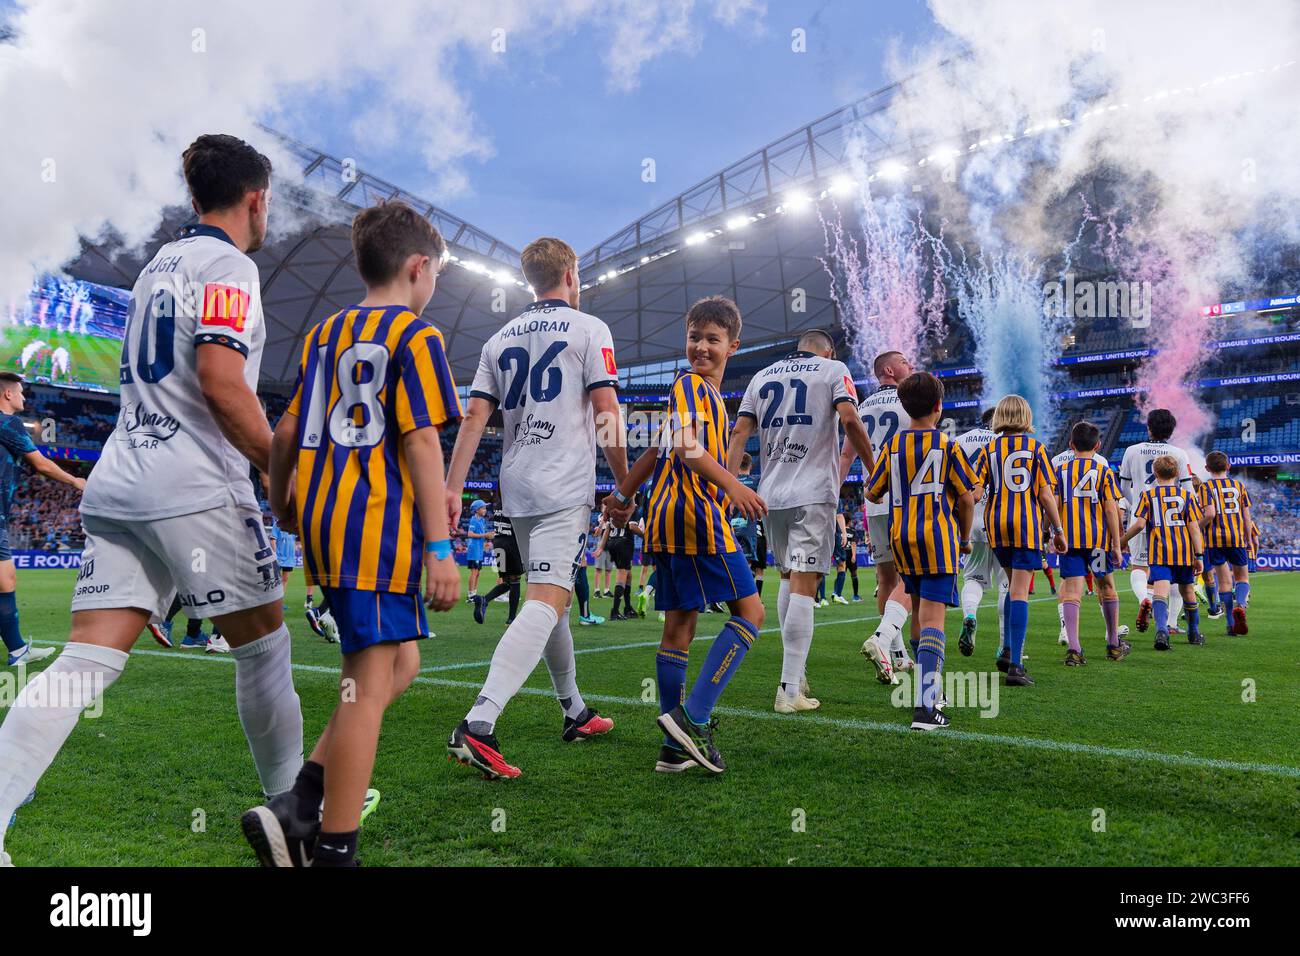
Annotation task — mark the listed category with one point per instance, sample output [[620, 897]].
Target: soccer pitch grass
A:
[[1154, 760], [95, 360]]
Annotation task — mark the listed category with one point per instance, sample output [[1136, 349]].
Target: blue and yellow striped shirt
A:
[[1169, 512], [686, 514], [1086, 484], [367, 377], [1227, 529], [1014, 470], [922, 473]]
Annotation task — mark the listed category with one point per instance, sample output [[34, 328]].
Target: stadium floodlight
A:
[[696, 238], [892, 171], [738, 222], [797, 200], [842, 186]]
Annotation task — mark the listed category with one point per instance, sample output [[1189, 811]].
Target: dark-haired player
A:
[[1090, 519], [17, 445], [1170, 516], [928, 484], [797, 406], [1136, 476], [365, 487], [698, 561], [1228, 538], [191, 355]]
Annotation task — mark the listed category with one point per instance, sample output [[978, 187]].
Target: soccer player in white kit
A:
[[883, 415], [1135, 477], [980, 568], [796, 406], [169, 506], [552, 373]]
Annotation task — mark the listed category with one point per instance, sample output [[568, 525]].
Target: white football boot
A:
[[792, 705], [876, 650]]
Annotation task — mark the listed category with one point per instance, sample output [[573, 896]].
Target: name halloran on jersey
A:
[[794, 402], [540, 370], [884, 417], [199, 290]]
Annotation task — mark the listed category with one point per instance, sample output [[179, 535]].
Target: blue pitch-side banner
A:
[[1274, 458], [26, 560], [71, 560]]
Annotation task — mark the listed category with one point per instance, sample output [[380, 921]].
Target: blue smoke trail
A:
[[1000, 298]]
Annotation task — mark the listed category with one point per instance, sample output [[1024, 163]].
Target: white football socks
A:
[[796, 640], [1175, 605], [782, 601], [1137, 579], [43, 715], [892, 623], [563, 667], [517, 654], [972, 592], [269, 709]]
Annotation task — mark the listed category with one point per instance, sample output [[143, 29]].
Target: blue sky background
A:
[[567, 149]]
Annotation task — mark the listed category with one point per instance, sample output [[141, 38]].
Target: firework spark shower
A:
[[887, 285]]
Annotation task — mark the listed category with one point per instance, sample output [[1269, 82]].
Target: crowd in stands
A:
[[1276, 509], [44, 515]]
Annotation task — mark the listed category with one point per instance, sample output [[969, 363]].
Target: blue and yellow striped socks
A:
[[929, 656], [724, 658], [670, 673], [1017, 628]]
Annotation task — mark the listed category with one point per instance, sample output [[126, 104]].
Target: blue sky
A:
[[567, 149]]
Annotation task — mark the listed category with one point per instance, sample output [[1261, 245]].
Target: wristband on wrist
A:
[[440, 549], [620, 497]]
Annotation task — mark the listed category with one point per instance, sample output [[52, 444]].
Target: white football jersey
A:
[[971, 443], [167, 457], [1061, 457], [540, 370], [794, 403], [1135, 472], [884, 416]]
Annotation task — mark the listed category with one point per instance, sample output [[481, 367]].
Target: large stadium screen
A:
[[66, 332]]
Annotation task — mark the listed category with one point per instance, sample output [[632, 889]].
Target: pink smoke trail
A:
[[889, 291], [1169, 264]]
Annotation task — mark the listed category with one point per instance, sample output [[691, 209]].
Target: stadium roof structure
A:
[[752, 232]]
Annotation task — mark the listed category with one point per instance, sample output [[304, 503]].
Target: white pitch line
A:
[[470, 665], [841, 723]]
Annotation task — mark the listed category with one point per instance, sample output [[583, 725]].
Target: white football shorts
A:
[[217, 561], [551, 546], [878, 528], [803, 538]]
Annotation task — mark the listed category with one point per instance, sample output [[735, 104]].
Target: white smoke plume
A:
[[1188, 106], [99, 99]]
